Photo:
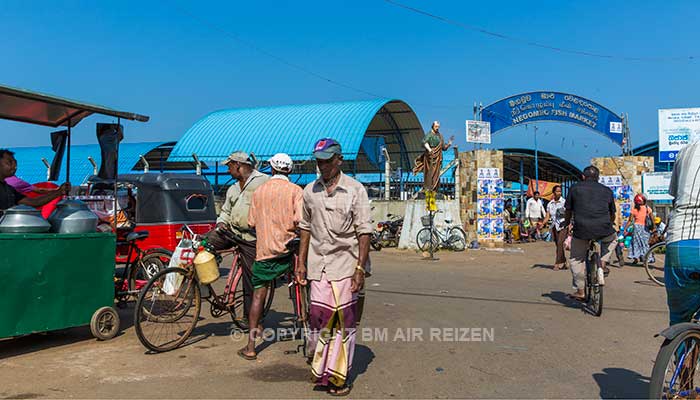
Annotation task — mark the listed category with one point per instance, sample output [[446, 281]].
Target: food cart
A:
[[56, 281]]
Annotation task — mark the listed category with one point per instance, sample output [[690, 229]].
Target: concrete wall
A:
[[630, 168], [380, 209], [470, 162]]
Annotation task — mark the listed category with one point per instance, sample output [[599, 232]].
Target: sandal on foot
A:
[[246, 356], [339, 391]]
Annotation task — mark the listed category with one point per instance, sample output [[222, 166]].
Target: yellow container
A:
[[206, 267]]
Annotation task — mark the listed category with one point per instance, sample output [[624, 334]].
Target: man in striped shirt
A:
[[275, 211]]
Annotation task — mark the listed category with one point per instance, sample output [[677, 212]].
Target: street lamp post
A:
[[537, 169]]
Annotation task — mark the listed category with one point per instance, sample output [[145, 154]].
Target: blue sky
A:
[[177, 61]]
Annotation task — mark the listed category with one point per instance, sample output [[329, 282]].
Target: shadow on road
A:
[[543, 266], [39, 341], [562, 298], [361, 360], [620, 383]]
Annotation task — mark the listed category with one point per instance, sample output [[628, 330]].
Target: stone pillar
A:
[[630, 168], [470, 162]]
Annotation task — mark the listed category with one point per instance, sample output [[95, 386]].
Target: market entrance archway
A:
[[527, 108]]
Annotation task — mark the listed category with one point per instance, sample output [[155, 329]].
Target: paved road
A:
[[534, 342]]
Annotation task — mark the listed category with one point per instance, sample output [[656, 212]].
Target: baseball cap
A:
[[241, 157], [326, 148], [281, 162]]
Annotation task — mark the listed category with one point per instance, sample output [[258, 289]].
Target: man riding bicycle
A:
[[592, 207], [233, 219]]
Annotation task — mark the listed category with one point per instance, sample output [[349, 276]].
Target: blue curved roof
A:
[[292, 129], [32, 169]]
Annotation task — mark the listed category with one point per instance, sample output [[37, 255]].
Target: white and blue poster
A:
[[489, 204]]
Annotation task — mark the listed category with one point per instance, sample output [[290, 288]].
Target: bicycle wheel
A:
[[457, 239], [427, 238], [147, 267], [594, 292], [676, 371], [164, 321], [237, 302], [654, 260]]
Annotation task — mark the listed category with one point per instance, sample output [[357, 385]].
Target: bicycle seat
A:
[[136, 235], [293, 245], [448, 221]]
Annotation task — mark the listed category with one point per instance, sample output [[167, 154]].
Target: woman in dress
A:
[[640, 236]]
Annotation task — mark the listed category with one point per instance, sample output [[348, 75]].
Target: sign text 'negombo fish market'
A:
[[553, 106]]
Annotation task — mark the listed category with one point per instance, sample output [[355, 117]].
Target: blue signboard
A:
[[531, 107]]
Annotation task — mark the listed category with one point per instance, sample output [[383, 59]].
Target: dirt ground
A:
[[493, 324]]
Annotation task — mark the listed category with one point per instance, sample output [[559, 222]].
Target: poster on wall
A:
[[496, 228], [489, 204], [496, 208], [677, 128], [478, 132], [622, 193], [483, 228], [484, 208]]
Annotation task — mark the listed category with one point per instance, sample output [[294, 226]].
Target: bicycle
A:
[[654, 260], [594, 270], [678, 357], [163, 321], [452, 237], [299, 295], [139, 268]]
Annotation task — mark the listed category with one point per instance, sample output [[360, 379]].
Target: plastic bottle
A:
[[601, 276]]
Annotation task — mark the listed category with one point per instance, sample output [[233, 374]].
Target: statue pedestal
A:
[[447, 209]]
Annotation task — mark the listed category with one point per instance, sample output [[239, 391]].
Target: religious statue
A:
[[430, 162]]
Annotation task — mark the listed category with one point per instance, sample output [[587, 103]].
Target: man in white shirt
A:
[[682, 265], [534, 211]]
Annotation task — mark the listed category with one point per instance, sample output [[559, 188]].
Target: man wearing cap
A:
[[233, 219], [333, 256], [275, 211]]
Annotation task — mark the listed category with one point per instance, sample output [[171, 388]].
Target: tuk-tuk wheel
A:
[[104, 324]]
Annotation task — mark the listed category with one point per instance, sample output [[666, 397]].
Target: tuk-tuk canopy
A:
[[42, 109]]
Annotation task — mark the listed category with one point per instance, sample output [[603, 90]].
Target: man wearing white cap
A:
[[234, 216], [275, 211]]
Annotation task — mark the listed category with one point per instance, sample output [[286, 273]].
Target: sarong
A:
[[682, 279], [640, 242], [332, 328], [265, 271]]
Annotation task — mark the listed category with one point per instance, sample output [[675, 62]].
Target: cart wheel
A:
[[104, 324]]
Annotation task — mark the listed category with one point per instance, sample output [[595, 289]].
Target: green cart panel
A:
[[54, 281]]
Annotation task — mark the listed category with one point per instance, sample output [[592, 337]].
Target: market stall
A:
[[57, 280]]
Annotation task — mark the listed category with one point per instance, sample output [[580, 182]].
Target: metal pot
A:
[[73, 216], [23, 219]]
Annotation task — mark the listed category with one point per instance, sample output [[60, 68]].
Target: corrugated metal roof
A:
[[294, 129], [31, 169]]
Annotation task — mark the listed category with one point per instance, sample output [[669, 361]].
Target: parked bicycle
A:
[[163, 321], [676, 371], [654, 260], [141, 265], [452, 237]]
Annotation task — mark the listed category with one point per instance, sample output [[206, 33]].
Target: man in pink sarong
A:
[[335, 229]]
